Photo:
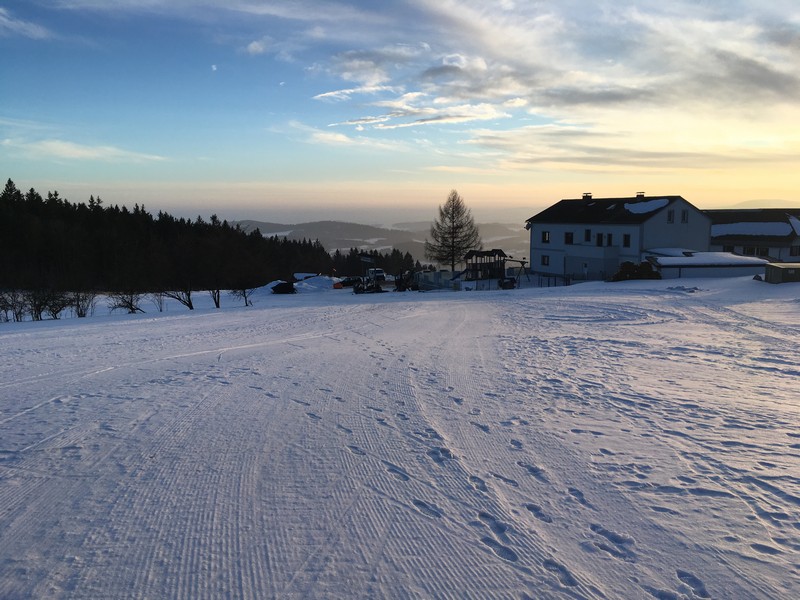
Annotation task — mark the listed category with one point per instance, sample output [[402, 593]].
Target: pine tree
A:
[[453, 234]]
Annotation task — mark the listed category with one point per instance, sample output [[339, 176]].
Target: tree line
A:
[[57, 255]]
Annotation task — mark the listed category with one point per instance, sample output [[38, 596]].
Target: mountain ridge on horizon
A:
[[342, 235]]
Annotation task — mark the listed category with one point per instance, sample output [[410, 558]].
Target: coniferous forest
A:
[[56, 254]]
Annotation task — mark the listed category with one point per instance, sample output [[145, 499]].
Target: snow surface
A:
[[629, 440], [647, 206]]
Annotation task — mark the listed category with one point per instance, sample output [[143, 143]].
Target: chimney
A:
[[587, 195], [640, 194]]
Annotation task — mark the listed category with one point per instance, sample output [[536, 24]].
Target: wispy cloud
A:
[[313, 135], [9, 25], [61, 149], [346, 94]]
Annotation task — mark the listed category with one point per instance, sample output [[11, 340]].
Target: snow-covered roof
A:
[[670, 251], [772, 223], [770, 229], [708, 259], [640, 208], [588, 210]]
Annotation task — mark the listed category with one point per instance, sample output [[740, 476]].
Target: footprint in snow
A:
[[506, 480], [440, 455], [396, 471], [564, 576], [314, 416], [619, 547], [427, 509], [578, 495], [534, 471], [698, 587], [500, 550], [356, 450], [497, 527], [537, 512], [478, 483]]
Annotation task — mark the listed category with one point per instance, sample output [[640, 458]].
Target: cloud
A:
[[348, 93], [313, 135], [635, 85], [376, 66], [60, 149], [10, 26], [259, 46], [451, 114]]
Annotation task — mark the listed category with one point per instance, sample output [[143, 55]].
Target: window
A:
[[671, 215], [545, 260], [749, 250], [609, 239], [763, 251], [794, 251], [727, 248], [599, 239], [545, 237], [626, 240], [568, 238], [685, 216], [587, 235]]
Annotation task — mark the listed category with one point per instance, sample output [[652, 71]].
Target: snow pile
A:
[[627, 440]]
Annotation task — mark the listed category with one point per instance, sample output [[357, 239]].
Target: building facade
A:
[[589, 238]]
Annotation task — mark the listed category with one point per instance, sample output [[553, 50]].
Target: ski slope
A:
[[630, 440]]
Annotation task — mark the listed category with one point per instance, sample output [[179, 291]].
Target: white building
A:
[[771, 233], [589, 238]]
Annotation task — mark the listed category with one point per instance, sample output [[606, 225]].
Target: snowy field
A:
[[630, 440]]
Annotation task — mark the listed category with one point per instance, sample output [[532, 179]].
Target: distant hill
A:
[[513, 239], [767, 204]]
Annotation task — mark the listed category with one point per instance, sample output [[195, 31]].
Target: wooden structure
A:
[[485, 264]]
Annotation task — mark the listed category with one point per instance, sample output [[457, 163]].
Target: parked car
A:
[[349, 281], [376, 274]]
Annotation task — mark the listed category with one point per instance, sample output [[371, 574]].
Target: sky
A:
[[296, 110]]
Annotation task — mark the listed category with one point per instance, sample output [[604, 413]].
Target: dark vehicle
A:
[[349, 281], [284, 287]]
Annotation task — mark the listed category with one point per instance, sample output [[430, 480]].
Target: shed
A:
[[782, 272]]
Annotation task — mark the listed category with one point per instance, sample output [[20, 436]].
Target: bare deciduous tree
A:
[[244, 294], [182, 296], [127, 301], [84, 303]]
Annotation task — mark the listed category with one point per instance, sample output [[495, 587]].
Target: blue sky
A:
[[291, 110]]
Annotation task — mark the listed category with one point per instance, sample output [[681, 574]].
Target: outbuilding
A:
[[707, 264], [782, 272]]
